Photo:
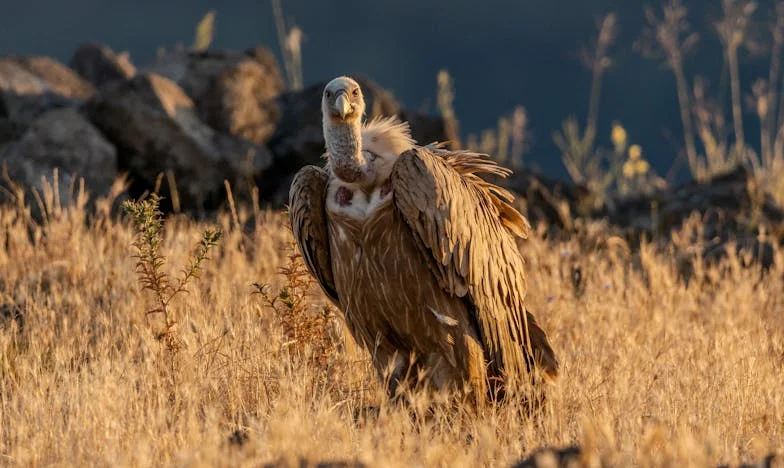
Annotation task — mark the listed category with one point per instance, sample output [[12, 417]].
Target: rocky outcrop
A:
[[730, 202], [156, 129], [61, 139], [31, 85], [197, 117], [99, 64], [233, 91]]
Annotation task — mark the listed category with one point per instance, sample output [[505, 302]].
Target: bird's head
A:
[[343, 101]]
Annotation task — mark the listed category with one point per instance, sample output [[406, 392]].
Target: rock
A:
[[31, 85], [62, 139], [426, 128], [728, 203], [99, 64], [156, 128], [771, 460], [541, 198], [290, 462], [62, 79], [233, 91], [11, 130], [549, 457]]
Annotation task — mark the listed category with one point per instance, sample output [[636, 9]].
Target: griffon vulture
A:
[[419, 254]]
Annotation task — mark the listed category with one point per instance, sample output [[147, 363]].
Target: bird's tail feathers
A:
[[544, 356]]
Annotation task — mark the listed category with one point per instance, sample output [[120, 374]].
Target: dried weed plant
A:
[[148, 222], [711, 148], [586, 164], [312, 332]]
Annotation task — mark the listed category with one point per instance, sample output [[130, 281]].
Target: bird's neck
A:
[[344, 144]]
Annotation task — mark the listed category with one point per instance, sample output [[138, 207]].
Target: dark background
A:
[[499, 53]]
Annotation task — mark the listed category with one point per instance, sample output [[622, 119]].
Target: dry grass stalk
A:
[[670, 38], [584, 163], [205, 31], [732, 30]]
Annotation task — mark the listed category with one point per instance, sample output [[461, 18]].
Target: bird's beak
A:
[[342, 105]]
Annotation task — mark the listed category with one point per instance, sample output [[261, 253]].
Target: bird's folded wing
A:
[[462, 227], [307, 213]]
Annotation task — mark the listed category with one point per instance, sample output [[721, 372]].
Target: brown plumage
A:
[[419, 254]]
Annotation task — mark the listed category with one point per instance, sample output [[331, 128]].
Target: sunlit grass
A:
[[654, 372]]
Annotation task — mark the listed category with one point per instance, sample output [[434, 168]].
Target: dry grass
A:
[[654, 373]]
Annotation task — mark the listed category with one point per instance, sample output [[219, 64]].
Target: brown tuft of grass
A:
[[655, 372]]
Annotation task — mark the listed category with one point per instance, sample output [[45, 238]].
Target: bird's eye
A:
[[328, 94], [356, 92]]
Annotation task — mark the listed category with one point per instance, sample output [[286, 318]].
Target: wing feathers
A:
[[543, 353], [308, 217], [463, 226]]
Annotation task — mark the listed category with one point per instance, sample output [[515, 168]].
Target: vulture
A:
[[419, 254]]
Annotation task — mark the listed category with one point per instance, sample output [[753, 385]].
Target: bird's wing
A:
[[307, 213], [463, 227]]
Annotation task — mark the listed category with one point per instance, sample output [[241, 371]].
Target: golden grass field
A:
[[654, 373]]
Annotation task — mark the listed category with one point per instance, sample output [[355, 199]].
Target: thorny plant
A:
[[309, 330], [148, 223]]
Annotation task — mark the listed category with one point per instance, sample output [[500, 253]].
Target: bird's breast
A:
[[349, 201]]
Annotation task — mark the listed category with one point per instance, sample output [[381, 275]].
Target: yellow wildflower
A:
[[628, 169], [618, 137], [635, 151], [641, 167]]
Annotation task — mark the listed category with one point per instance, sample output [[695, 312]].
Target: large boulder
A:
[[156, 129], [99, 64], [65, 140], [426, 128], [233, 91], [10, 130], [31, 85]]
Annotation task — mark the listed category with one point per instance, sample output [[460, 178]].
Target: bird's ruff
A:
[[391, 129]]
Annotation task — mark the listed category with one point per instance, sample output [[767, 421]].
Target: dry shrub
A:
[[311, 331]]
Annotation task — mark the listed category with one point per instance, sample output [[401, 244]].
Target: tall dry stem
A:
[[670, 38], [770, 124], [290, 43], [597, 59], [732, 30], [579, 155], [445, 99]]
